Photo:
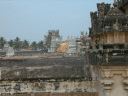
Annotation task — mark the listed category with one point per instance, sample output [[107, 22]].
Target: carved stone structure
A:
[[123, 5], [115, 80], [44, 76], [109, 26], [109, 57], [69, 76], [44, 87]]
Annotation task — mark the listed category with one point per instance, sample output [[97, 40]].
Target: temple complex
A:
[[101, 71]]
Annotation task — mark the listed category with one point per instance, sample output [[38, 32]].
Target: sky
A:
[[31, 19]]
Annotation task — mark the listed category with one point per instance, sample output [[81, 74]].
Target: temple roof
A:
[[115, 12], [122, 3]]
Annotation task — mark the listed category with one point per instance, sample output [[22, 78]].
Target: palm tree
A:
[[40, 44], [34, 45], [11, 43], [25, 44], [48, 40], [17, 43], [2, 42]]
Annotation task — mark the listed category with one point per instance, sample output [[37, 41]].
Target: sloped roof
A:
[[115, 12], [123, 3]]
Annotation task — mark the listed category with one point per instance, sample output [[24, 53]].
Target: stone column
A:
[[0, 73], [125, 82], [107, 85], [114, 80]]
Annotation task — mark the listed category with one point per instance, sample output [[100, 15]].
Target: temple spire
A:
[[116, 2]]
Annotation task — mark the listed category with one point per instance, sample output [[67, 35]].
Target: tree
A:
[[25, 44], [17, 43], [34, 45], [11, 43], [48, 40], [2, 42], [40, 44]]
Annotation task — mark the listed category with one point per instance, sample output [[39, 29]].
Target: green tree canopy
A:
[[17, 43], [40, 44], [34, 45], [11, 43], [25, 44], [2, 42]]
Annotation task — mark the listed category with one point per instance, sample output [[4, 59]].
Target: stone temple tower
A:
[[109, 55]]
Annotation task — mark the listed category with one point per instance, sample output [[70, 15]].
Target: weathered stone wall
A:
[[52, 94], [45, 77], [39, 67], [42, 72], [24, 53], [46, 87]]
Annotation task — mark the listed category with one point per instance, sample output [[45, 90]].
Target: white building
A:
[[72, 45]]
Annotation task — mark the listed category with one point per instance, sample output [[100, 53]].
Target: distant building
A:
[[69, 46], [54, 44], [72, 45], [83, 43], [52, 40], [9, 50]]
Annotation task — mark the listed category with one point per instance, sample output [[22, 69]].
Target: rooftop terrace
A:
[[15, 68]]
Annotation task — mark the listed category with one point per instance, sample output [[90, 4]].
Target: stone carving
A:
[[106, 16], [94, 21], [115, 80], [38, 86]]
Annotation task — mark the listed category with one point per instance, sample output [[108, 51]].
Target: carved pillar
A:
[[0, 73], [125, 82], [114, 80], [107, 85]]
